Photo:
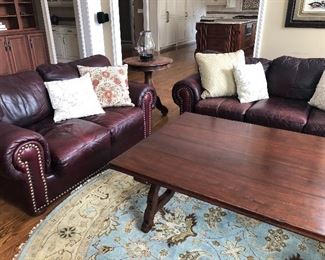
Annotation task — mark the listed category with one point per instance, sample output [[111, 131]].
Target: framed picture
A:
[[306, 13]]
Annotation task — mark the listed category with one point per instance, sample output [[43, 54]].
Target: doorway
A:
[[131, 24]]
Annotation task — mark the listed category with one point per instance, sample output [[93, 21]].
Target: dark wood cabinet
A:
[[22, 44], [19, 54], [22, 51], [5, 65], [226, 37], [38, 48]]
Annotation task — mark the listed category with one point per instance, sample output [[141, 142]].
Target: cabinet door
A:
[[162, 7], [38, 49], [19, 53], [171, 7], [71, 46], [5, 66], [59, 46], [180, 8]]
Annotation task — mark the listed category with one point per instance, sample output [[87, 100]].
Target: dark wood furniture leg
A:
[[154, 204], [148, 80]]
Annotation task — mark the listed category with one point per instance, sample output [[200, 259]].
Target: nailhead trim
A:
[[25, 165], [71, 188], [145, 110]]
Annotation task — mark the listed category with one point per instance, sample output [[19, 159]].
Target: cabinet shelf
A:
[[17, 14]]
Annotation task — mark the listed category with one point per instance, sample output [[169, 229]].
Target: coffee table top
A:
[[273, 175]]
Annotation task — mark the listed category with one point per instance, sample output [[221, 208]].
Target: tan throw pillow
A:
[[110, 84], [216, 72], [318, 99]]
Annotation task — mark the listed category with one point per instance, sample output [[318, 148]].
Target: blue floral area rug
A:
[[101, 220]]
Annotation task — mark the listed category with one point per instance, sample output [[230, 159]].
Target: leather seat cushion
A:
[[316, 123], [232, 109], [224, 107], [279, 113], [209, 106], [75, 145], [126, 126]]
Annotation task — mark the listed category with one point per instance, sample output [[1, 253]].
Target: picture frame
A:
[[305, 14]]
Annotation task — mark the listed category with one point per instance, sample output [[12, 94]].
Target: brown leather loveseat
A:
[[41, 160], [291, 83]]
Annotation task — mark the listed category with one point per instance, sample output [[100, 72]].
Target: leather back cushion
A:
[[294, 78], [23, 99], [63, 71], [265, 62]]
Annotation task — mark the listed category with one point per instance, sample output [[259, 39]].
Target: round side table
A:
[[148, 67]]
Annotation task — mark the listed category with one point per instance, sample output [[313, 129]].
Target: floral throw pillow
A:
[[110, 84]]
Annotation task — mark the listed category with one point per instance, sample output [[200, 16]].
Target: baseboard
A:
[[177, 46]]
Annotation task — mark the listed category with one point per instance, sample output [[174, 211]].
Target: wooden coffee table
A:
[[269, 174]]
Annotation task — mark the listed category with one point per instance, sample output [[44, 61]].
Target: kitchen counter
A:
[[226, 35], [228, 21]]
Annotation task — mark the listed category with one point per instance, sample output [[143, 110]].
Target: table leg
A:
[[148, 80], [154, 204], [161, 107]]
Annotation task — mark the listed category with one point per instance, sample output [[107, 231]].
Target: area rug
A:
[[101, 220]]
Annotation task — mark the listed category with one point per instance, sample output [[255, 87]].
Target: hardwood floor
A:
[[15, 224]]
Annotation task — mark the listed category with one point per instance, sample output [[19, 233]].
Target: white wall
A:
[[107, 32], [278, 40]]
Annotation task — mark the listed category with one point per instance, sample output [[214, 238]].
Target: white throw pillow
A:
[[251, 82], [73, 98], [318, 99], [216, 72]]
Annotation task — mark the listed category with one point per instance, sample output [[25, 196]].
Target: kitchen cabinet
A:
[[226, 37], [66, 43], [176, 21], [167, 23], [225, 3]]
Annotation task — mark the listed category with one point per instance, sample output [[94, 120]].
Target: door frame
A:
[[49, 33], [259, 29]]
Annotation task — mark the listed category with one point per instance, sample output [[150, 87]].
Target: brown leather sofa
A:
[[41, 160], [291, 83]]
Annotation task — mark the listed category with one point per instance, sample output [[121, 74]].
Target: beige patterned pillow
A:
[[110, 84]]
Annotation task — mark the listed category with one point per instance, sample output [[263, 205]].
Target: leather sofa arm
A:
[[187, 92], [138, 92], [20, 151], [144, 96]]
